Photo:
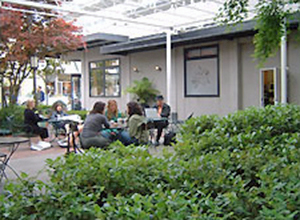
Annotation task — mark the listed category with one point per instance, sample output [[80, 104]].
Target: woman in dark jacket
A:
[[31, 119], [163, 111]]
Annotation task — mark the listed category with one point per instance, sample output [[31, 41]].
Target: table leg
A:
[[12, 151], [2, 166], [6, 159]]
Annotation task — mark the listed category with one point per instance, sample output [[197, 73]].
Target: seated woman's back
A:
[[93, 124], [91, 135], [137, 127], [137, 123]]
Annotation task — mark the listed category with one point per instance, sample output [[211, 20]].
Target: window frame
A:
[[202, 57], [103, 68]]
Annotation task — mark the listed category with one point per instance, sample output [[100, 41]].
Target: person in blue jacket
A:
[[40, 95]]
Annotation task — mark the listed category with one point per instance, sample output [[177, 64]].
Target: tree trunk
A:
[[16, 76], [46, 93], [14, 93]]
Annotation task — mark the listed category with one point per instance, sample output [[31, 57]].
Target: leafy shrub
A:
[[81, 113], [17, 113], [45, 110], [242, 166], [44, 107], [143, 90], [12, 110]]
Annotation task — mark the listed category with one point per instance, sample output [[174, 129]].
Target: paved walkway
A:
[[31, 162], [34, 162]]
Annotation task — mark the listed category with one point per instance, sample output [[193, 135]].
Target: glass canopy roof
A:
[[135, 18]]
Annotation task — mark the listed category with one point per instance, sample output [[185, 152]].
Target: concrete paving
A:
[[34, 162], [33, 166], [29, 161]]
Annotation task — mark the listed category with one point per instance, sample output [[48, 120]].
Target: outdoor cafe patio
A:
[[131, 18], [238, 157]]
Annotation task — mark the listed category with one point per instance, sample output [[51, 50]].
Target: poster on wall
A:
[[202, 77]]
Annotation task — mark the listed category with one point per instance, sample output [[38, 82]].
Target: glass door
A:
[[270, 87], [76, 92]]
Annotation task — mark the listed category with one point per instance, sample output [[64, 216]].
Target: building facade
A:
[[213, 71]]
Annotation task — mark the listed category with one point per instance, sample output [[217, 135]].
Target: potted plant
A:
[[143, 91]]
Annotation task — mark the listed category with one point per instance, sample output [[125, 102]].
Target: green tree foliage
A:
[[271, 17], [23, 35]]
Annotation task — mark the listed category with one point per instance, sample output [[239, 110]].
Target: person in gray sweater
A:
[[95, 122]]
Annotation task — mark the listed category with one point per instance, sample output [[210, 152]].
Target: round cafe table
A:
[[13, 144]]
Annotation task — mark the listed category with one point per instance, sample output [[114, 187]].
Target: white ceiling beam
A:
[[57, 8], [30, 11], [193, 22], [218, 2], [198, 9], [173, 13]]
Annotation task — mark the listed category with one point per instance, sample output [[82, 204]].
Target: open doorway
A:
[[269, 87], [76, 91]]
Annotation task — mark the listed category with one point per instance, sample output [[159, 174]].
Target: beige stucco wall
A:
[[93, 54], [145, 62], [250, 81], [238, 71], [250, 72], [228, 100], [293, 70], [184, 106], [239, 76], [249, 88]]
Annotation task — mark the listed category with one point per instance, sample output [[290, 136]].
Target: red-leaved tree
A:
[[23, 35]]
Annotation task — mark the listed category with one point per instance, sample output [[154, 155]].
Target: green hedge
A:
[[81, 113], [13, 110], [18, 113], [243, 166]]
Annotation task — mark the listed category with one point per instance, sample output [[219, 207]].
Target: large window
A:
[[105, 78], [202, 71]]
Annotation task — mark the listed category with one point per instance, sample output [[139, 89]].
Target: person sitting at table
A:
[[137, 126], [113, 115], [112, 112], [77, 104], [58, 113], [31, 119], [95, 122], [163, 111]]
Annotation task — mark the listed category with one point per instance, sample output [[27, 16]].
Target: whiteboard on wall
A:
[[202, 77]]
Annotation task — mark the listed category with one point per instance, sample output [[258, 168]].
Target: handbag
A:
[[170, 137]]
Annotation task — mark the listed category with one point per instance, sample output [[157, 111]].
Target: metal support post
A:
[[169, 71], [284, 67]]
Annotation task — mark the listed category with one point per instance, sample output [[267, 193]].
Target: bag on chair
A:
[[170, 138]]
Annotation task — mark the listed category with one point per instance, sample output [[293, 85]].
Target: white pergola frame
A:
[[168, 30]]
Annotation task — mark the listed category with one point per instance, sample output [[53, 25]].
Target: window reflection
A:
[[105, 78]]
